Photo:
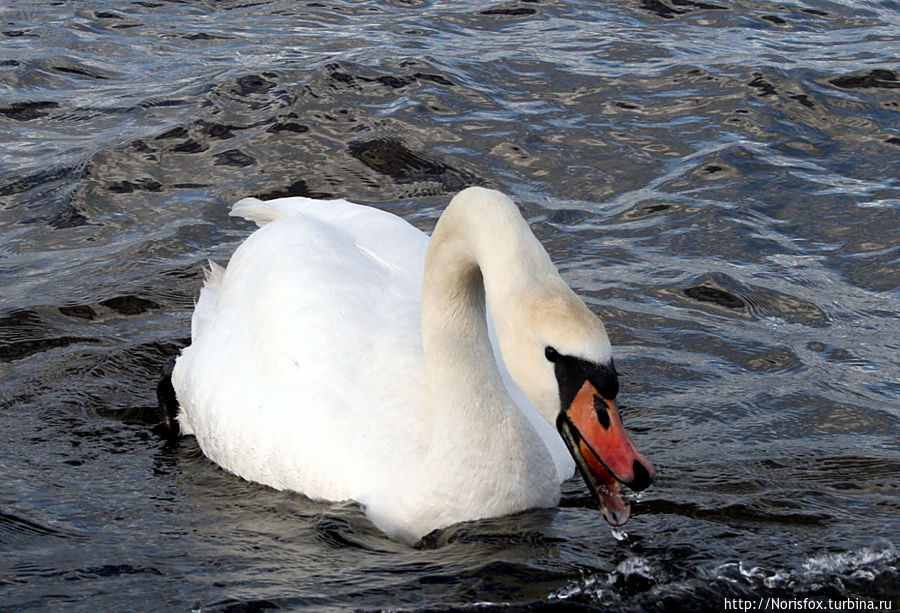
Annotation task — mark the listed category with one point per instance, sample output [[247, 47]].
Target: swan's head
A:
[[560, 356], [555, 349]]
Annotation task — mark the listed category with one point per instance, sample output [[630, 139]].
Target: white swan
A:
[[336, 358]]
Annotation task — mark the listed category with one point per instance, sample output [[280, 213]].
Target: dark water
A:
[[718, 179]]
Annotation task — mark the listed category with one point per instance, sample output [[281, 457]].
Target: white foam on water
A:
[[859, 564], [883, 556], [593, 585], [636, 565], [586, 585]]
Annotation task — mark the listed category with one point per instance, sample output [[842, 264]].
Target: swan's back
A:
[[378, 233]]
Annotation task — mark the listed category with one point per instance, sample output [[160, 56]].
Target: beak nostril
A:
[[602, 411], [641, 479]]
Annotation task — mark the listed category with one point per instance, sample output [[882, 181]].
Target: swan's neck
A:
[[481, 249]]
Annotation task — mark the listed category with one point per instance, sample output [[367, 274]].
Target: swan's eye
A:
[[551, 354]]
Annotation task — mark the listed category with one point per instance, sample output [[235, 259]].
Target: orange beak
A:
[[605, 454]]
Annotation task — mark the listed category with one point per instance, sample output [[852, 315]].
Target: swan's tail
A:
[[257, 211], [262, 212]]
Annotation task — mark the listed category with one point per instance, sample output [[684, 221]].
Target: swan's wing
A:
[[204, 309], [302, 349]]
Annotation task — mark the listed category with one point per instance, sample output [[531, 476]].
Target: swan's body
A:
[[318, 363]]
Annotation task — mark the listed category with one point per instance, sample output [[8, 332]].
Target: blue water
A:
[[718, 180]]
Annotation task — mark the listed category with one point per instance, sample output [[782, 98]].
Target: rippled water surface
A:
[[719, 180]]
